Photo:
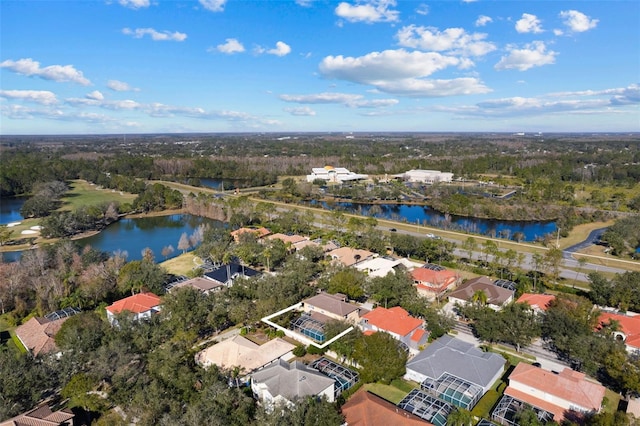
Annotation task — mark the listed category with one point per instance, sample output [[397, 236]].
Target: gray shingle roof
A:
[[461, 359], [291, 381]]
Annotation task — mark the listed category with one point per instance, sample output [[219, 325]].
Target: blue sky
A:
[[156, 66]]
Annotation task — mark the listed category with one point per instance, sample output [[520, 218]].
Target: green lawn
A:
[[83, 193], [394, 392]]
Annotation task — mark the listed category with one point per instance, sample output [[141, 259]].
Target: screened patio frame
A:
[[309, 327], [453, 389], [427, 407], [508, 407], [345, 378]]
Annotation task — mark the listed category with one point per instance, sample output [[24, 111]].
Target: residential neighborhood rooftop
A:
[[495, 295], [332, 303], [292, 380], [242, 352], [396, 320], [537, 301], [367, 409], [136, 304], [37, 334], [349, 256]]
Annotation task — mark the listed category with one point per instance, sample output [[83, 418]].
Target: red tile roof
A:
[[135, 304], [395, 320], [38, 334], [435, 281], [568, 385], [629, 325], [259, 232], [537, 301], [367, 409], [418, 334]]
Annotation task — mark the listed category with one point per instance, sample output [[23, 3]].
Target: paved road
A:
[[591, 239]]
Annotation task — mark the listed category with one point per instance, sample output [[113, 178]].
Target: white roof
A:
[[242, 352]]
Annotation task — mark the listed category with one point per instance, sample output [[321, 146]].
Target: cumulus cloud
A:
[[300, 111], [230, 47], [120, 86], [134, 4], [58, 73], [453, 40], [213, 5], [370, 11], [304, 3], [43, 97], [528, 24], [281, 49], [578, 22], [532, 55], [402, 73], [95, 95], [155, 35], [483, 20]]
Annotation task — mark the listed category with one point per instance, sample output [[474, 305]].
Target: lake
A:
[[134, 235], [10, 209], [423, 215]]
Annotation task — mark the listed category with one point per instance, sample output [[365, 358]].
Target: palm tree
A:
[[479, 298]]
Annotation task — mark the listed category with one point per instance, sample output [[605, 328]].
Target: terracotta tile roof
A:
[[418, 334], [629, 325], [569, 385], [367, 409], [537, 301], [136, 304], [259, 232], [38, 334], [293, 239], [435, 279], [40, 416], [395, 320], [347, 255]]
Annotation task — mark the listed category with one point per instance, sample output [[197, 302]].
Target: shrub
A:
[[300, 351]]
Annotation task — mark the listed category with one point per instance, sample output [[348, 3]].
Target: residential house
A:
[[366, 409], [229, 273], [348, 256], [201, 284], [332, 306], [381, 266], [449, 363], [398, 323], [629, 328], [141, 305], [42, 416], [38, 334], [326, 247], [433, 282], [290, 240], [334, 174], [496, 297], [552, 395], [258, 232], [242, 352], [282, 383], [538, 302]]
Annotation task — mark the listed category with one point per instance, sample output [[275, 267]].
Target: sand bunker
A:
[[9, 225], [28, 232]]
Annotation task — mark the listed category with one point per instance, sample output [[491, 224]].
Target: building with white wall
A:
[[334, 174], [426, 176]]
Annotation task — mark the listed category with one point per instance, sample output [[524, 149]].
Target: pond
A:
[[423, 215], [134, 235], [10, 209]]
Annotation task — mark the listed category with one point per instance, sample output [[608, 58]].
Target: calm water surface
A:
[[10, 209]]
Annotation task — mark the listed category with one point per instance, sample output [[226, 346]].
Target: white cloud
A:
[[155, 35], [58, 73], [528, 24], [213, 5], [578, 22], [532, 55], [300, 111], [304, 3], [558, 32], [469, 1], [483, 20], [43, 97], [422, 9], [230, 46], [95, 95], [424, 88], [347, 99], [134, 4], [120, 86], [387, 65], [281, 49], [454, 40], [370, 11], [322, 98]]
